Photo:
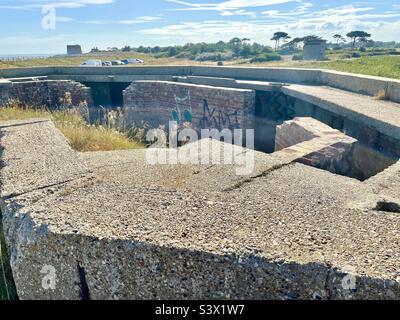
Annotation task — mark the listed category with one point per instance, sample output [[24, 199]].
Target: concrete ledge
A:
[[368, 85], [383, 116], [387, 183], [292, 75], [111, 78], [26, 72]]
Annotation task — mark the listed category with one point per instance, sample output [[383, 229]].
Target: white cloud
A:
[[60, 4], [228, 8], [138, 20], [297, 22]]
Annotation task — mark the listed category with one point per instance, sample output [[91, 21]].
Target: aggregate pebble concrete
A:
[[36, 157], [289, 231]]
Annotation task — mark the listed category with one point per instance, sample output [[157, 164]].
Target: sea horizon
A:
[[26, 55]]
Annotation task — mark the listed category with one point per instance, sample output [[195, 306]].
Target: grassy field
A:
[[382, 66], [76, 61]]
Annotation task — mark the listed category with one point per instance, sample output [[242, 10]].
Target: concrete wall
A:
[[156, 103], [50, 94], [352, 82], [314, 51], [345, 155]]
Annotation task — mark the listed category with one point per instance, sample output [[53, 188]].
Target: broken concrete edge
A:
[[369, 85], [36, 155], [303, 129], [78, 260], [37, 249], [386, 185]]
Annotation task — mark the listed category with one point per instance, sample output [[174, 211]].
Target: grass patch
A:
[[89, 138], [381, 66], [81, 136], [16, 113]]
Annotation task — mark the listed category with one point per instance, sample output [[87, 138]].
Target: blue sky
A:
[[106, 23]]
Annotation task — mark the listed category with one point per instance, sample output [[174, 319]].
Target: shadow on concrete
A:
[[7, 286]]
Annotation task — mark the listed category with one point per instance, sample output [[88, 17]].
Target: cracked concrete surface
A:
[[136, 231], [35, 157]]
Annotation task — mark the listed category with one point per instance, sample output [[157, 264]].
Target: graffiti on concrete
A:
[[216, 118], [186, 115], [212, 117], [198, 107], [275, 106]]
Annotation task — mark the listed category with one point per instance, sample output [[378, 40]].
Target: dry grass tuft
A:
[[82, 136], [12, 112], [96, 138], [381, 95]]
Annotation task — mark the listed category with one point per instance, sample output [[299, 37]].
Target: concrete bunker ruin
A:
[[287, 231]]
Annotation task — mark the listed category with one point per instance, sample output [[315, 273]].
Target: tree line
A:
[[244, 48], [361, 37]]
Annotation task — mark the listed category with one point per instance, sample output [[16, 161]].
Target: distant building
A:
[[314, 50], [74, 50]]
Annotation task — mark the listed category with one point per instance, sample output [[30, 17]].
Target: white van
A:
[[134, 61], [92, 63]]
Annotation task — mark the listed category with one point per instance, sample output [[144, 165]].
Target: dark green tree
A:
[[339, 38], [355, 35], [278, 36]]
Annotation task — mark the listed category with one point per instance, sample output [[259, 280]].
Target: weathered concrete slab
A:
[[231, 83], [388, 182], [362, 84], [288, 231], [35, 155]]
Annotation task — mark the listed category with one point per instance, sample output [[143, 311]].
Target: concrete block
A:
[[267, 237], [36, 157], [205, 107]]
